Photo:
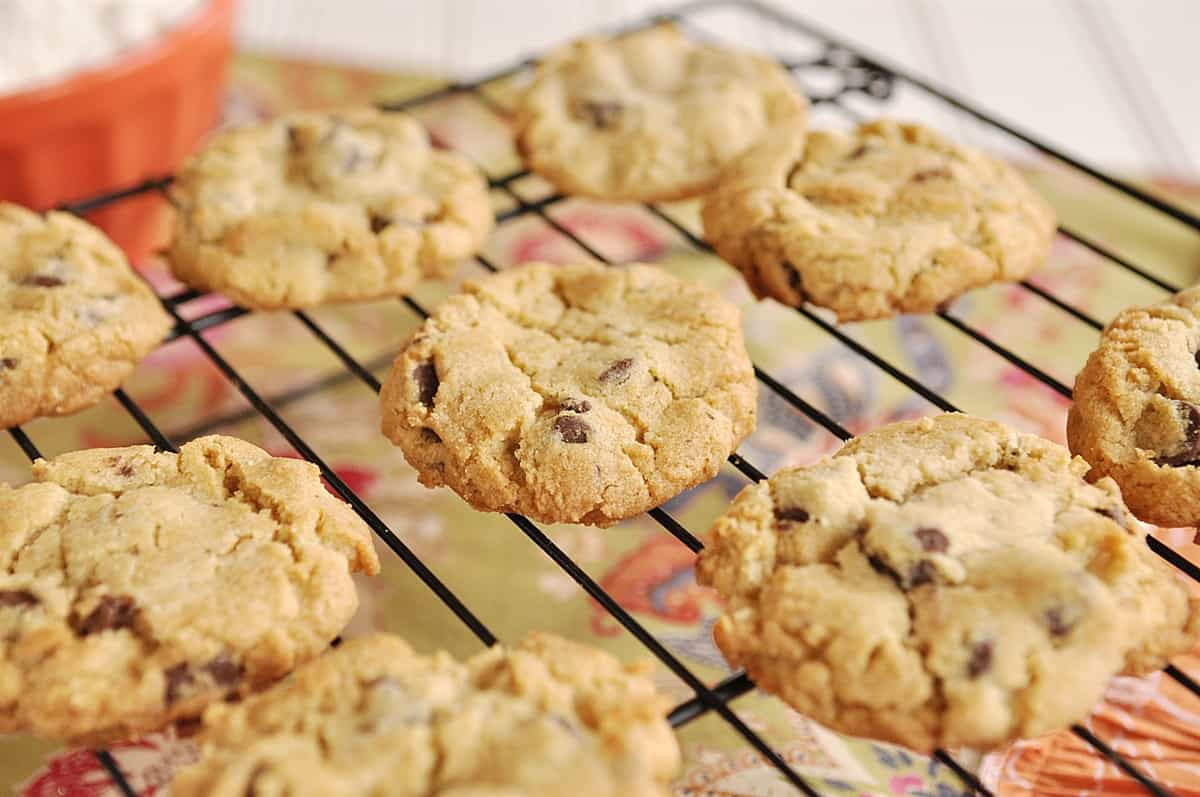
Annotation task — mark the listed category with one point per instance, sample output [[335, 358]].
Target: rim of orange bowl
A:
[[143, 58]]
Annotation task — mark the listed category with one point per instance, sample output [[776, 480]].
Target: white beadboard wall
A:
[[1112, 81]]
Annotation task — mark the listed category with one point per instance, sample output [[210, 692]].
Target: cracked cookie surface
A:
[[578, 394], [312, 208], [546, 717], [74, 317], [140, 586], [649, 116], [890, 218], [1136, 410], [941, 582]]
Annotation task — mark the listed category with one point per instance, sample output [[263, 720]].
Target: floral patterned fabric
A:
[[503, 577]]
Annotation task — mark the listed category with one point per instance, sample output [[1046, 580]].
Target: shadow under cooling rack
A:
[[863, 78]]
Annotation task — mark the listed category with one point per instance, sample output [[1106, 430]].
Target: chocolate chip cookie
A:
[[74, 317], [546, 717], [1136, 415], [649, 116], [313, 208], [942, 582], [890, 218], [573, 394], [139, 586]]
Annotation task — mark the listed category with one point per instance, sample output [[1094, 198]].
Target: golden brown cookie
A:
[[139, 586], [649, 116], [547, 717], [312, 208], [942, 582], [74, 317], [572, 394], [890, 218], [1136, 414]]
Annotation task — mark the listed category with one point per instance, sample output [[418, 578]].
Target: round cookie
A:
[[1136, 413], [74, 317], [649, 116], [140, 586], [311, 208], [572, 394], [547, 717], [941, 582], [891, 218]]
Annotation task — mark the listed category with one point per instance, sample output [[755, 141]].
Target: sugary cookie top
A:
[[888, 218], [941, 582], [1136, 414], [323, 207], [648, 116], [547, 717], [137, 586], [74, 317], [573, 393]]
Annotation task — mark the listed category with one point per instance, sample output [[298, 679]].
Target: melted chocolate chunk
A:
[[112, 613], [792, 513], [575, 405], [932, 540], [618, 373], [1115, 512], [1196, 357], [859, 151], [1190, 454], [793, 277], [379, 223], [178, 678], [43, 281], [125, 470], [430, 436], [224, 670], [293, 135], [18, 598], [882, 568], [980, 660], [425, 375], [572, 428], [1057, 622], [930, 174], [8, 363], [600, 114], [922, 573]]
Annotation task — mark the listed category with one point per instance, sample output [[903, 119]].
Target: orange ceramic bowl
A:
[[116, 126]]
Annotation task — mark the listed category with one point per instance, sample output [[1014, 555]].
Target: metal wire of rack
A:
[[862, 75]]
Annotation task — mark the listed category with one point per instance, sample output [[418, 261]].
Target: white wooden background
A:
[[1116, 82]]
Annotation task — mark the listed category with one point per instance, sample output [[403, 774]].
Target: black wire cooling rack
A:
[[858, 76]]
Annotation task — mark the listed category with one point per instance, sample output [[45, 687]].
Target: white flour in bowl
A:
[[44, 41]]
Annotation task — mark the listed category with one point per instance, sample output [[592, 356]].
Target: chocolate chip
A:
[[112, 613], [1190, 455], [1196, 357], [430, 436], [572, 428], [126, 470], [43, 281], [379, 223], [793, 277], [922, 573], [980, 660], [859, 151], [8, 363], [18, 598], [575, 405], [930, 174], [792, 513], [1057, 622], [932, 540], [224, 670], [617, 373], [425, 375], [601, 114], [293, 134], [178, 677]]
